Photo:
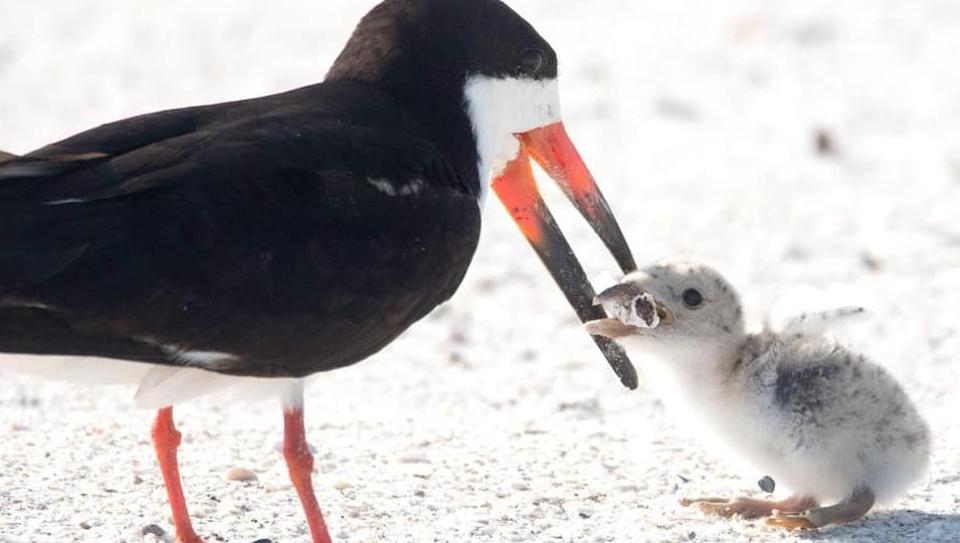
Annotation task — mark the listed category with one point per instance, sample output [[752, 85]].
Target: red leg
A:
[[166, 439], [300, 464]]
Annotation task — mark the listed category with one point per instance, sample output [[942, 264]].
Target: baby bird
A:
[[834, 428]]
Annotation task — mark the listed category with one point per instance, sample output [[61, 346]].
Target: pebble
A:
[[152, 529], [241, 474], [825, 143]]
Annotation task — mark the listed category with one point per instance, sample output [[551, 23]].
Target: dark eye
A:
[[692, 298], [530, 62]]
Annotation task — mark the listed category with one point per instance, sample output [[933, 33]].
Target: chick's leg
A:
[[849, 510], [749, 508]]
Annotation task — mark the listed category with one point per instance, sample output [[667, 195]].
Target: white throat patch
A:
[[500, 108]]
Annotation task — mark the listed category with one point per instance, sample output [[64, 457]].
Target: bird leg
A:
[[300, 464], [854, 507], [749, 508], [166, 439]]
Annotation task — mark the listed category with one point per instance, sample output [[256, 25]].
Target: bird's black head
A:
[[472, 71], [441, 42], [483, 83]]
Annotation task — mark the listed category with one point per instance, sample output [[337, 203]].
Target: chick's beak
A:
[[611, 328], [517, 189], [666, 316]]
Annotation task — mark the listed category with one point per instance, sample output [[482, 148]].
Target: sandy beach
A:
[[812, 144]]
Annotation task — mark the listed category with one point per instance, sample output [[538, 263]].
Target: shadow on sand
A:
[[895, 526]]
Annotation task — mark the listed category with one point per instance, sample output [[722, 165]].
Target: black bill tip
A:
[[618, 360]]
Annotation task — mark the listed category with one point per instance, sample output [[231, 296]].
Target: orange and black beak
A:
[[517, 189]]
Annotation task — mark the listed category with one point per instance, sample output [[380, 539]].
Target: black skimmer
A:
[[273, 238]]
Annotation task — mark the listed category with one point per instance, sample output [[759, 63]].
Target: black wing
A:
[[252, 228]]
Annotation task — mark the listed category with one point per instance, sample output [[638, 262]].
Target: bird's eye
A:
[[531, 60], [692, 298]]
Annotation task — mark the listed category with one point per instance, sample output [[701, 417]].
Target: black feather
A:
[[30, 330], [249, 228]]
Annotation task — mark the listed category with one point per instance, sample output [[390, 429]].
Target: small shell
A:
[[241, 474]]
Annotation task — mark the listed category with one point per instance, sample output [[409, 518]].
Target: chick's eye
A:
[[692, 298], [531, 60]]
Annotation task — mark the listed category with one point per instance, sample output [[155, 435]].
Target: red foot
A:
[[166, 439], [300, 464]]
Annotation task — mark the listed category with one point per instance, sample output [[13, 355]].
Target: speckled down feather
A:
[[790, 403]]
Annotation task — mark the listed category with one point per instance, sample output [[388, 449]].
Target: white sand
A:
[[496, 419]]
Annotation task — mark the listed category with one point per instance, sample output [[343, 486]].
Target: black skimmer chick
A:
[[269, 239], [815, 417]]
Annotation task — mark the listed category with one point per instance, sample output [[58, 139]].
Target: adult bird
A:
[[282, 236]]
